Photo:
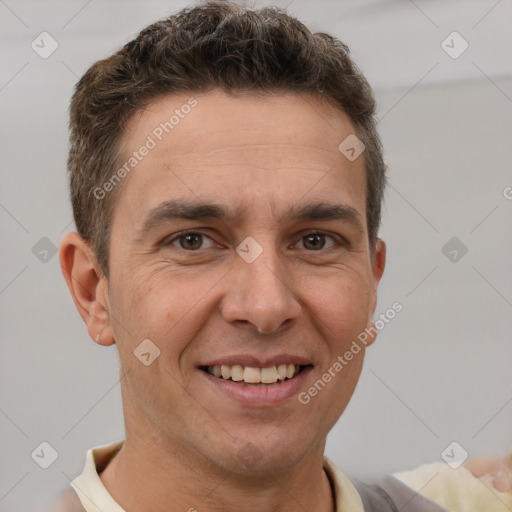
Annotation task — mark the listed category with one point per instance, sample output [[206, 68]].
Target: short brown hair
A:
[[217, 44]]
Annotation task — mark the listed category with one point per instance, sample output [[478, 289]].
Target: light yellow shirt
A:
[[456, 489], [95, 497]]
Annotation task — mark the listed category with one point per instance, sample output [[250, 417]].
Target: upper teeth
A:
[[253, 375]]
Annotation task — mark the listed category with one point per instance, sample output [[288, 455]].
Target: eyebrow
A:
[[186, 210], [323, 211], [174, 210]]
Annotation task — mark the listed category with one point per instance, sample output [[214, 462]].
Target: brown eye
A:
[[192, 242], [314, 241]]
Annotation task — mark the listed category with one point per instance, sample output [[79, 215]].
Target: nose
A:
[[261, 294]]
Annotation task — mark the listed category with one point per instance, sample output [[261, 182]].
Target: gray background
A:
[[439, 372]]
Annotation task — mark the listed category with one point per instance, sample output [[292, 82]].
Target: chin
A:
[[262, 456]]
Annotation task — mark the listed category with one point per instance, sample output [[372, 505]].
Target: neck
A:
[[148, 476]]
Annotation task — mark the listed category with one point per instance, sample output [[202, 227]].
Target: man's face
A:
[[205, 299]]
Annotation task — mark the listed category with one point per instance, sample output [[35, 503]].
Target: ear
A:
[[378, 262], [88, 286]]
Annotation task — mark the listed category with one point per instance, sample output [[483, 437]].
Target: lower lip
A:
[[261, 396]]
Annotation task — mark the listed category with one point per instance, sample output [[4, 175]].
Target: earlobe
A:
[[378, 262], [88, 286]]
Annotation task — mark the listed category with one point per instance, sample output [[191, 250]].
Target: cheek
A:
[[158, 306], [330, 393], [341, 308]]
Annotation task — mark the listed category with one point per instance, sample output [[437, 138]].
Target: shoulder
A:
[[456, 489], [388, 495]]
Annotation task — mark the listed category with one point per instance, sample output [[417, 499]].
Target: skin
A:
[[183, 436], [498, 468]]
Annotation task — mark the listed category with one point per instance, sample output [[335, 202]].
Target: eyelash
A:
[[339, 242]]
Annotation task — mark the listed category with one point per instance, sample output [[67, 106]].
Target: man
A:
[[226, 180]]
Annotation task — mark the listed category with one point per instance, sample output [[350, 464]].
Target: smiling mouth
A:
[[252, 376]]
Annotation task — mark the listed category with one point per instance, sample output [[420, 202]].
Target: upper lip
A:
[[258, 361]]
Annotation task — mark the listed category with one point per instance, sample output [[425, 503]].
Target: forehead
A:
[[246, 150]]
